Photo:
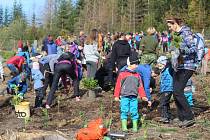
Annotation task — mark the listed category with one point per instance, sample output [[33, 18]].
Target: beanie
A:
[[162, 60], [35, 65]]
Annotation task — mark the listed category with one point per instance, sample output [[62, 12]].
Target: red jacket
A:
[[17, 61], [121, 77]]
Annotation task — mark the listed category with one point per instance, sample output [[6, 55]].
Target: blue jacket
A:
[[37, 76], [17, 81], [46, 59], [145, 73], [25, 55], [189, 56], [51, 48], [166, 81]]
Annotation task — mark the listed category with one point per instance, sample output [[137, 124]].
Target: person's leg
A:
[[13, 69], [93, 69], [39, 97], [124, 109], [180, 80], [56, 77], [134, 113], [189, 97], [88, 68]]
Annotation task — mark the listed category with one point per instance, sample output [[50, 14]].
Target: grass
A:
[[194, 135], [166, 130]]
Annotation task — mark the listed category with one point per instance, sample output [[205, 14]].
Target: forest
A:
[[65, 17]]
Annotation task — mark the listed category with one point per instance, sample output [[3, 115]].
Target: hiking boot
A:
[[124, 126], [135, 126], [164, 120], [187, 123]]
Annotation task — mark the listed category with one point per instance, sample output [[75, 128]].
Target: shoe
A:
[[47, 106], [187, 123], [135, 126], [77, 99], [124, 126], [164, 120]]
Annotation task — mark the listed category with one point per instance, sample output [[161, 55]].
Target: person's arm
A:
[[141, 90], [24, 88], [21, 62], [188, 45], [113, 56], [118, 86]]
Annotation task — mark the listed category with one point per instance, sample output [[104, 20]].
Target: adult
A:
[[185, 69], [91, 54], [121, 50], [66, 66], [51, 47], [15, 64], [148, 47]]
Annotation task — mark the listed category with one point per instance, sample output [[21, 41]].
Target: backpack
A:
[[200, 44]]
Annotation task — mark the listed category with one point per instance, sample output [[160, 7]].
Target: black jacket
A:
[[121, 50]]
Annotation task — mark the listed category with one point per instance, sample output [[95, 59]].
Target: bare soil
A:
[[67, 116]]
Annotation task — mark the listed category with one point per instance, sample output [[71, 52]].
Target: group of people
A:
[[130, 61]]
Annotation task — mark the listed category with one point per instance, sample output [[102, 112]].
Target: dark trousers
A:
[[47, 76], [39, 97], [165, 104], [180, 78], [165, 47], [63, 69]]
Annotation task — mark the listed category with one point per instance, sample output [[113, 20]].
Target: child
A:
[[19, 82], [166, 88], [1, 70], [129, 85], [188, 92], [37, 76], [15, 64]]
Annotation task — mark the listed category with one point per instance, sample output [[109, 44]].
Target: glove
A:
[[12, 86]]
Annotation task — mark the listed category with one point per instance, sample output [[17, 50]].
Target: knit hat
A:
[[35, 65], [133, 59], [162, 60]]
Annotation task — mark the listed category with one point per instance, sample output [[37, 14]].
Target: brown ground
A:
[[68, 116]]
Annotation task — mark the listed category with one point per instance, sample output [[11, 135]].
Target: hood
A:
[[123, 42], [184, 29]]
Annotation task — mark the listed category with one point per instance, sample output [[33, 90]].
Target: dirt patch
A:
[[67, 116]]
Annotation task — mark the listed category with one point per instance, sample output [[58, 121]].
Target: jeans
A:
[[91, 69], [13, 69], [180, 79], [129, 104], [63, 69], [165, 104]]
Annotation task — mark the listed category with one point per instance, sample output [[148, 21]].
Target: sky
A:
[[28, 7]]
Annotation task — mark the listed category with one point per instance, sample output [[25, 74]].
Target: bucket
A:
[[22, 110]]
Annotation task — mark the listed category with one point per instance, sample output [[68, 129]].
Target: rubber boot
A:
[[135, 125], [124, 126]]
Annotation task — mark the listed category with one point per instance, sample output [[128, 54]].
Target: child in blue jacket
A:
[[19, 82], [37, 76], [166, 88]]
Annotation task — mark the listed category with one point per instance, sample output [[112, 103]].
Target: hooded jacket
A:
[[17, 61], [121, 50], [187, 58], [130, 89]]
